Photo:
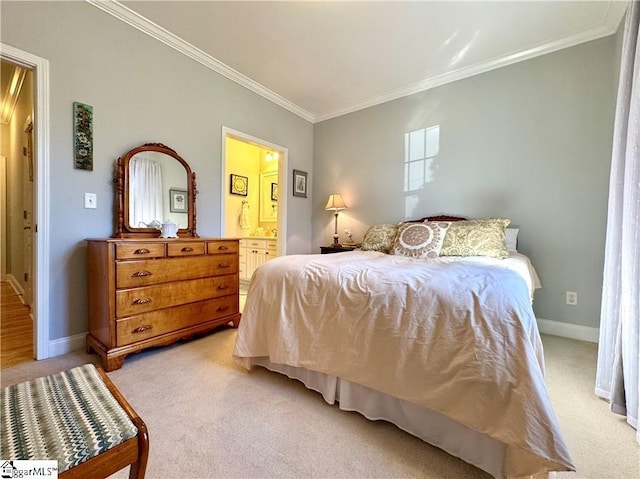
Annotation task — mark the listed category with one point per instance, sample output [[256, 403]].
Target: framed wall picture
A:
[[274, 191], [82, 136], [239, 185], [300, 183], [177, 201]]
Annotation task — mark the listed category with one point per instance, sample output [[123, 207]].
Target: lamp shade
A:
[[335, 203]]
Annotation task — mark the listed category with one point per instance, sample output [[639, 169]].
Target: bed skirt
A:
[[471, 446]]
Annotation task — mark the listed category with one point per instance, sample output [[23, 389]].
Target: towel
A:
[[244, 217]]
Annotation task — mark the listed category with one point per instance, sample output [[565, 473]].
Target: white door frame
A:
[[283, 183], [41, 179], [3, 216]]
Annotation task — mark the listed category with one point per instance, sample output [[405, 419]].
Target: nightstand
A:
[[337, 248]]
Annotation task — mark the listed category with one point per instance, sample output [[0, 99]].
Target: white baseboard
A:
[[67, 345], [15, 284], [568, 330]]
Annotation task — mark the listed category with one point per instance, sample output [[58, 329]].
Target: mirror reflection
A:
[[157, 190], [268, 197]]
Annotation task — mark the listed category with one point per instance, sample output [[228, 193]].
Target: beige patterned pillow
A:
[[420, 240], [379, 238], [483, 237]]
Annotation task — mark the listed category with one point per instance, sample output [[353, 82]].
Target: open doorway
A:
[[254, 198], [17, 205], [36, 225]]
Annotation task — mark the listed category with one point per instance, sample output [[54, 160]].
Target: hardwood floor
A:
[[16, 328]]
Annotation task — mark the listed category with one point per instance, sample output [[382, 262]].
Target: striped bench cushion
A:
[[69, 417]]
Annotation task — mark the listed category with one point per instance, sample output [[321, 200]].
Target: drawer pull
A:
[[222, 248], [186, 249], [223, 265], [141, 301], [140, 329], [223, 286], [222, 308], [139, 274], [142, 251]]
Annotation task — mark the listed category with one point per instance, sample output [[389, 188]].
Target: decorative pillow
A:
[[511, 238], [483, 237], [420, 240], [379, 238]]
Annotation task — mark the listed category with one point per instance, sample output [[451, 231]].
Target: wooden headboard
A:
[[438, 218]]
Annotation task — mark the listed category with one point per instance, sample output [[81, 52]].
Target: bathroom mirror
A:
[[153, 185], [268, 207]]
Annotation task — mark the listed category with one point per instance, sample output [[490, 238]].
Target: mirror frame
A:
[[121, 179]]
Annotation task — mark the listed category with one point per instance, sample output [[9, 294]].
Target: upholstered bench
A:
[[77, 417]]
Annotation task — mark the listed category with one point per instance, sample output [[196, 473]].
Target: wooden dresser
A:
[[147, 292]]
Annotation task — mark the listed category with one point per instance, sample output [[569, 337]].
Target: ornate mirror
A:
[[154, 185]]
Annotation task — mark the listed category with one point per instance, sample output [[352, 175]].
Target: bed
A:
[[445, 347]]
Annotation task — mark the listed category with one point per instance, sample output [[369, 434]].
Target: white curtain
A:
[[618, 372], [145, 191]]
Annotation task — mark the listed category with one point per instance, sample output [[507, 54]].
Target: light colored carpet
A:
[[207, 417]]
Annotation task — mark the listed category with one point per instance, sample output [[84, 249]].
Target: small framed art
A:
[[239, 185], [300, 183], [177, 201], [82, 136], [274, 191]]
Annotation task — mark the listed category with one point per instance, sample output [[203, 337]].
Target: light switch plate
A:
[[90, 200]]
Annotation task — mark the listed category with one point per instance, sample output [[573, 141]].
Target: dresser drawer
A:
[[144, 326], [256, 243], [131, 274], [149, 298], [185, 249], [140, 250], [221, 246], [272, 247]]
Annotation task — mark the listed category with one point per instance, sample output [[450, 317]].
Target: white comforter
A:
[[456, 336]]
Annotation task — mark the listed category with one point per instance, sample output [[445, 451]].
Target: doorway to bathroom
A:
[[254, 198]]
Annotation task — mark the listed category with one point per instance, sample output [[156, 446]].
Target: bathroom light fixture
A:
[[336, 203], [272, 156]]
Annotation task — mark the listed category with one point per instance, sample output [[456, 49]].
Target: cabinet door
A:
[[254, 259], [242, 254]]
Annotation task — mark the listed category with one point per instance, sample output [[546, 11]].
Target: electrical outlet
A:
[[90, 200], [572, 298]]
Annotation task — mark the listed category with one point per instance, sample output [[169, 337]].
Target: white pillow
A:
[[511, 237]]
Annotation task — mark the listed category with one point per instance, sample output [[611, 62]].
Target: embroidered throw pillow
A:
[[420, 240], [379, 238], [483, 237]]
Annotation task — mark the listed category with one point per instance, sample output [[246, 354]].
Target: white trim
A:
[[614, 15], [67, 345], [283, 181], [15, 284], [450, 77], [3, 218], [568, 330], [608, 26], [41, 180], [136, 20]]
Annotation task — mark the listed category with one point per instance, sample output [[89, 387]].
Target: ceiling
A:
[[322, 59]]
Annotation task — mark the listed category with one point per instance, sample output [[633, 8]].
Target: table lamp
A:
[[335, 203]]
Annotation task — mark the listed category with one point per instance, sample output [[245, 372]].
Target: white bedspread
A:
[[456, 336]]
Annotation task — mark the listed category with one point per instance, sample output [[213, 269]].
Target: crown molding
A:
[[116, 9], [609, 25]]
